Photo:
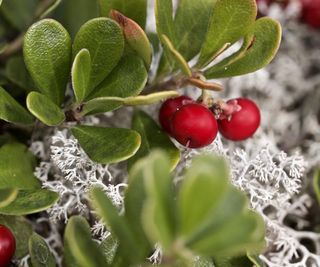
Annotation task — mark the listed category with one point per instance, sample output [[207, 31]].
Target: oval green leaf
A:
[[104, 40], [81, 70], [7, 196], [152, 137], [80, 245], [30, 201], [44, 109], [17, 167], [47, 54], [22, 230], [135, 37], [230, 20], [40, 253], [265, 36], [107, 145], [12, 111]]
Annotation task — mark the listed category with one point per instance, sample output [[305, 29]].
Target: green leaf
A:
[[17, 73], [107, 145], [263, 38], [104, 40], [12, 111], [44, 109], [40, 253], [47, 54], [119, 225], [208, 176], [176, 57], [81, 71], [230, 20], [105, 104], [232, 262], [191, 24], [135, 10], [16, 167], [316, 185], [109, 246], [127, 79], [22, 230], [135, 37], [7, 196], [164, 19], [159, 214], [30, 201], [81, 246], [19, 13], [256, 260], [152, 137]]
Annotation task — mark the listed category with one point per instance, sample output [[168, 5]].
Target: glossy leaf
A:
[[208, 176], [127, 79], [191, 24], [264, 36], [81, 71], [176, 57], [40, 253], [30, 201], [152, 137], [7, 196], [133, 9], [17, 73], [44, 109], [149, 99], [256, 260], [107, 145], [47, 54], [159, 214], [22, 230], [135, 37], [11, 110], [17, 167], [104, 40], [81, 246], [230, 20], [119, 225]]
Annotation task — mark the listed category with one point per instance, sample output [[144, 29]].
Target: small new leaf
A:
[[44, 109], [135, 37], [81, 70]]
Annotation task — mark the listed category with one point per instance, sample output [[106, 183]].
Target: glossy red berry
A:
[[7, 246], [194, 126], [311, 12], [168, 108], [242, 124]]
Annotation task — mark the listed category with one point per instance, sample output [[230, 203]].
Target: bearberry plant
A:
[[63, 65]]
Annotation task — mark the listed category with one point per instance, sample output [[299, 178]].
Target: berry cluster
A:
[[195, 125], [7, 246]]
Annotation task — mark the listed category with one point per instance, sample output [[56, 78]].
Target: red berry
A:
[[311, 12], [194, 126], [168, 108], [7, 246], [242, 124]]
